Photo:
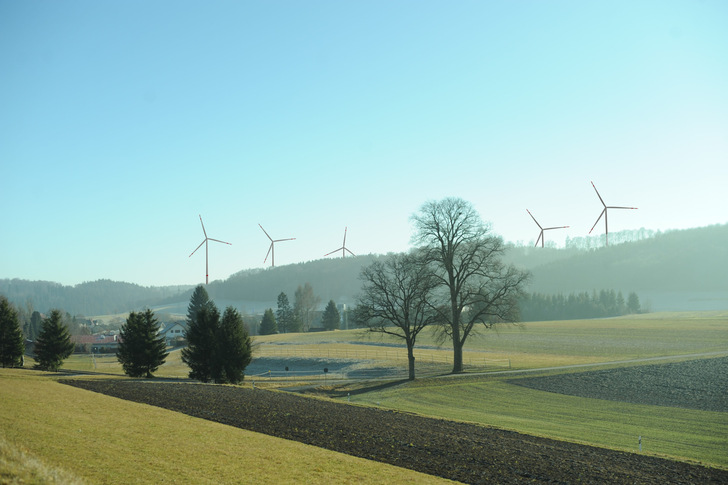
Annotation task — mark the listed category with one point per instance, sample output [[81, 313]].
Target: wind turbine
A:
[[204, 241], [271, 249], [604, 213], [541, 236], [342, 248]]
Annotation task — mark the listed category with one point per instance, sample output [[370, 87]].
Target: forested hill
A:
[[332, 279], [676, 270], [100, 297]]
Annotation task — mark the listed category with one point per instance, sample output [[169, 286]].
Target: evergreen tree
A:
[[33, 326], [268, 325], [284, 315], [199, 300], [54, 344], [331, 318], [234, 349], [633, 303], [141, 350], [201, 336], [12, 344]]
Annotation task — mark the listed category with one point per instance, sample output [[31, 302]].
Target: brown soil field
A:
[[458, 451]]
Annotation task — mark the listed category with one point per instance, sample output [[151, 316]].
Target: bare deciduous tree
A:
[[466, 260], [395, 299]]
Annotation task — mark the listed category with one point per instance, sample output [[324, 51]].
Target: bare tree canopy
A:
[[466, 260], [395, 299]]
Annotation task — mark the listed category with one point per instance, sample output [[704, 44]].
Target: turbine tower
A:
[[343, 248], [204, 241], [604, 213], [271, 249], [541, 236]]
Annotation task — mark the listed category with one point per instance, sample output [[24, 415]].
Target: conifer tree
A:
[[54, 344], [201, 351], [331, 318], [284, 314], [141, 350], [268, 325], [234, 349], [12, 344], [198, 301]]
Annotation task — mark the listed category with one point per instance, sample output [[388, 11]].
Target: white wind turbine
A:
[[271, 249], [343, 248], [604, 213], [204, 241], [541, 236]]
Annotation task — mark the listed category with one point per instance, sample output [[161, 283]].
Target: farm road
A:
[[592, 364]]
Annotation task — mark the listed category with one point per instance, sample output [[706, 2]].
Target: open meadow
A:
[[489, 393]]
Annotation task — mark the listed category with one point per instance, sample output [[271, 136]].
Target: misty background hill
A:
[[682, 270]]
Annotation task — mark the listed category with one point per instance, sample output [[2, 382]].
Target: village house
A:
[[174, 333], [98, 344]]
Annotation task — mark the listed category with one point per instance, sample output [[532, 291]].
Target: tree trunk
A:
[[457, 347], [457, 361], [411, 359]]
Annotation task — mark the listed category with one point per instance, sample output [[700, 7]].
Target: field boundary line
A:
[[590, 364]]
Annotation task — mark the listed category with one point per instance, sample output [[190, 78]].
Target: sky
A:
[[121, 123]]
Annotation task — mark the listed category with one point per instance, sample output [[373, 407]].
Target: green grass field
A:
[[158, 444]]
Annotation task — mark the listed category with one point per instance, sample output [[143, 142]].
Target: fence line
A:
[[439, 357]]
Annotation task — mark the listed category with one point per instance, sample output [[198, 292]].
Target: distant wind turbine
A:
[[271, 249], [604, 213], [541, 236], [343, 248], [204, 241]]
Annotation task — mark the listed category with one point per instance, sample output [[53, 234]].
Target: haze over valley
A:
[[674, 271]]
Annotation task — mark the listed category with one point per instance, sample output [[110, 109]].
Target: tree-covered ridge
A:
[[100, 297], [691, 260]]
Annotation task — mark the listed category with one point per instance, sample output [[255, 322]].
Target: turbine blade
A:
[[217, 240], [595, 224], [349, 252], [616, 207], [600, 197], [288, 239], [203, 226], [265, 232], [334, 251], [534, 219], [344, 245], [556, 227], [270, 248], [198, 247], [540, 235]]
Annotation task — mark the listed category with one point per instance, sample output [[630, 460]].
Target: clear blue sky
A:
[[120, 122]]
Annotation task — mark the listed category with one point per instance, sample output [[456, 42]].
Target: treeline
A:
[[606, 303]]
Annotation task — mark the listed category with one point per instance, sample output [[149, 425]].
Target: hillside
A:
[[676, 270]]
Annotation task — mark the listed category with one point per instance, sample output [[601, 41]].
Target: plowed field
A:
[[458, 451], [695, 384]]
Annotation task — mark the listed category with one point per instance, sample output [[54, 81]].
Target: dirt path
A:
[[458, 451]]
